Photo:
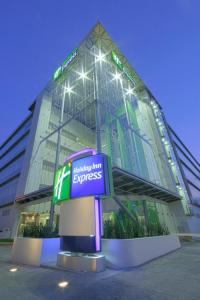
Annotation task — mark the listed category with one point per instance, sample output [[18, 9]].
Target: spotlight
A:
[[100, 57], [63, 284], [13, 270], [129, 91], [68, 89], [83, 75], [117, 76]]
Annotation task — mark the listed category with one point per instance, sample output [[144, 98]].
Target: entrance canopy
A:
[[127, 183], [42, 193], [124, 183]]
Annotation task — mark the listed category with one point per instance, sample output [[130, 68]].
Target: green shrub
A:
[[6, 240], [121, 226], [156, 229], [40, 231]]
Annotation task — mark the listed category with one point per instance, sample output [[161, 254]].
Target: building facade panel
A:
[[8, 191], [20, 147], [190, 168], [11, 161], [13, 138]]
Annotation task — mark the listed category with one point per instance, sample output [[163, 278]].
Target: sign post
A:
[[77, 187]]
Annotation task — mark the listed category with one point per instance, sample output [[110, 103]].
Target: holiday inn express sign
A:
[[121, 66], [88, 176], [83, 177], [62, 183], [65, 64]]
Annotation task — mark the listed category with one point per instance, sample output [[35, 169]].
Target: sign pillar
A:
[[82, 180]]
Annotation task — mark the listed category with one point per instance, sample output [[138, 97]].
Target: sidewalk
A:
[[174, 276]]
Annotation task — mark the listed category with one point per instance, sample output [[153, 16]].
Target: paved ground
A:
[[174, 276]]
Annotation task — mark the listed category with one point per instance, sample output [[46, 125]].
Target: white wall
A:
[[8, 216], [77, 217]]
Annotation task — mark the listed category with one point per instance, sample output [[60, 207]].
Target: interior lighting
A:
[[13, 270], [63, 284]]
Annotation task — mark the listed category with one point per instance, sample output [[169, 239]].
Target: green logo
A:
[[121, 66], [62, 184], [57, 73], [65, 64]]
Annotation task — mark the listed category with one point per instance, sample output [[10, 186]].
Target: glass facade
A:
[[94, 100], [129, 133], [69, 104], [96, 104], [36, 213]]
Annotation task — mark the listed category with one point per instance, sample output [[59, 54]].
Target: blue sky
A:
[[160, 38]]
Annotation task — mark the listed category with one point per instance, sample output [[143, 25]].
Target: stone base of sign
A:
[[122, 253], [81, 262], [35, 251]]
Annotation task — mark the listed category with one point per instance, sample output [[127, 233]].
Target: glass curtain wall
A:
[[67, 121], [94, 100], [129, 132], [94, 104]]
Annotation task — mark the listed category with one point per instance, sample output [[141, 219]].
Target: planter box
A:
[[6, 234], [122, 253], [35, 251]]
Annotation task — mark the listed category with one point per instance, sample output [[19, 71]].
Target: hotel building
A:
[[96, 99]]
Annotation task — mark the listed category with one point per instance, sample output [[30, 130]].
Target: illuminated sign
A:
[[65, 64], [121, 66], [87, 176], [62, 184]]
